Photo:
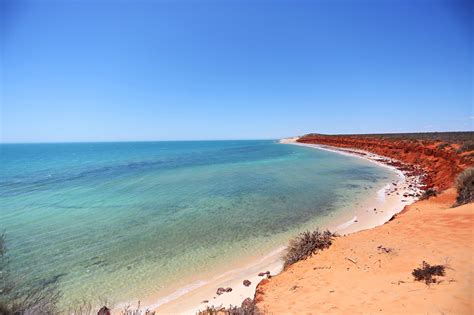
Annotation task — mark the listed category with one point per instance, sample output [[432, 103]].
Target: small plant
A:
[[248, 307], [427, 273], [306, 244], [427, 194], [465, 187]]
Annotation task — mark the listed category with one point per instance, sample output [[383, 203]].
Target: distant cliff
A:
[[440, 155]]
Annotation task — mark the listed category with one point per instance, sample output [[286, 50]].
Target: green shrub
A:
[[465, 187], [306, 244]]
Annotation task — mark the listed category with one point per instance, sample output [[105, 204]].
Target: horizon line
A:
[[234, 139]]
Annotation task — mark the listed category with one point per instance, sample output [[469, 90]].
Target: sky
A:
[[121, 70]]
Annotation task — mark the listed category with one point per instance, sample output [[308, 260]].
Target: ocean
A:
[[129, 220]]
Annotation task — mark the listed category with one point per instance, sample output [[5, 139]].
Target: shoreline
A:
[[387, 202], [392, 198]]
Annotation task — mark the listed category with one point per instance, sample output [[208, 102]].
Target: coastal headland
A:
[[369, 267], [370, 271]]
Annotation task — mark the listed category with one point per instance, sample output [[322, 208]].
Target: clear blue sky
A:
[[163, 70]]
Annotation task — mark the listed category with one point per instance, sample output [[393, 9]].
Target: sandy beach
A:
[[373, 211]]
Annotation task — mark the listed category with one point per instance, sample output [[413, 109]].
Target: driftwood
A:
[[352, 260]]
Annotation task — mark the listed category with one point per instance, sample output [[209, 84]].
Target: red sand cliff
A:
[[354, 276], [439, 160]]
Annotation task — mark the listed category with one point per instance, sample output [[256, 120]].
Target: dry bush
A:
[[248, 307], [427, 194], [427, 273], [86, 307], [306, 244], [465, 187], [129, 310]]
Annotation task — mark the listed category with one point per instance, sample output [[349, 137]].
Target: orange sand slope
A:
[[377, 281]]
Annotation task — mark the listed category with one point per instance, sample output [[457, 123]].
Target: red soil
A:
[[440, 163]]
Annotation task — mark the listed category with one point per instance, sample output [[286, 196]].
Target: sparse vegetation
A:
[[248, 307], [19, 298], [467, 146], [306, 244], [129, 310], [461, 137], [430, 192], [442, 146], [465, 187], [428, 273]]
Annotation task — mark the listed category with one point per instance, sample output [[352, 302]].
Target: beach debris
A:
[[352, 260], [205, 301], [321, 267], [247, 283], [293, 288], [385, 250], [222, 290]]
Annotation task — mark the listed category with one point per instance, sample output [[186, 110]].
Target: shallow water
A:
[[128, 220]]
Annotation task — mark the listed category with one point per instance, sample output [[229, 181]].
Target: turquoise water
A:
[[128, 220]]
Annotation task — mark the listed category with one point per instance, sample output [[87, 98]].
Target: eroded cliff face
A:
[[439, 160]]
